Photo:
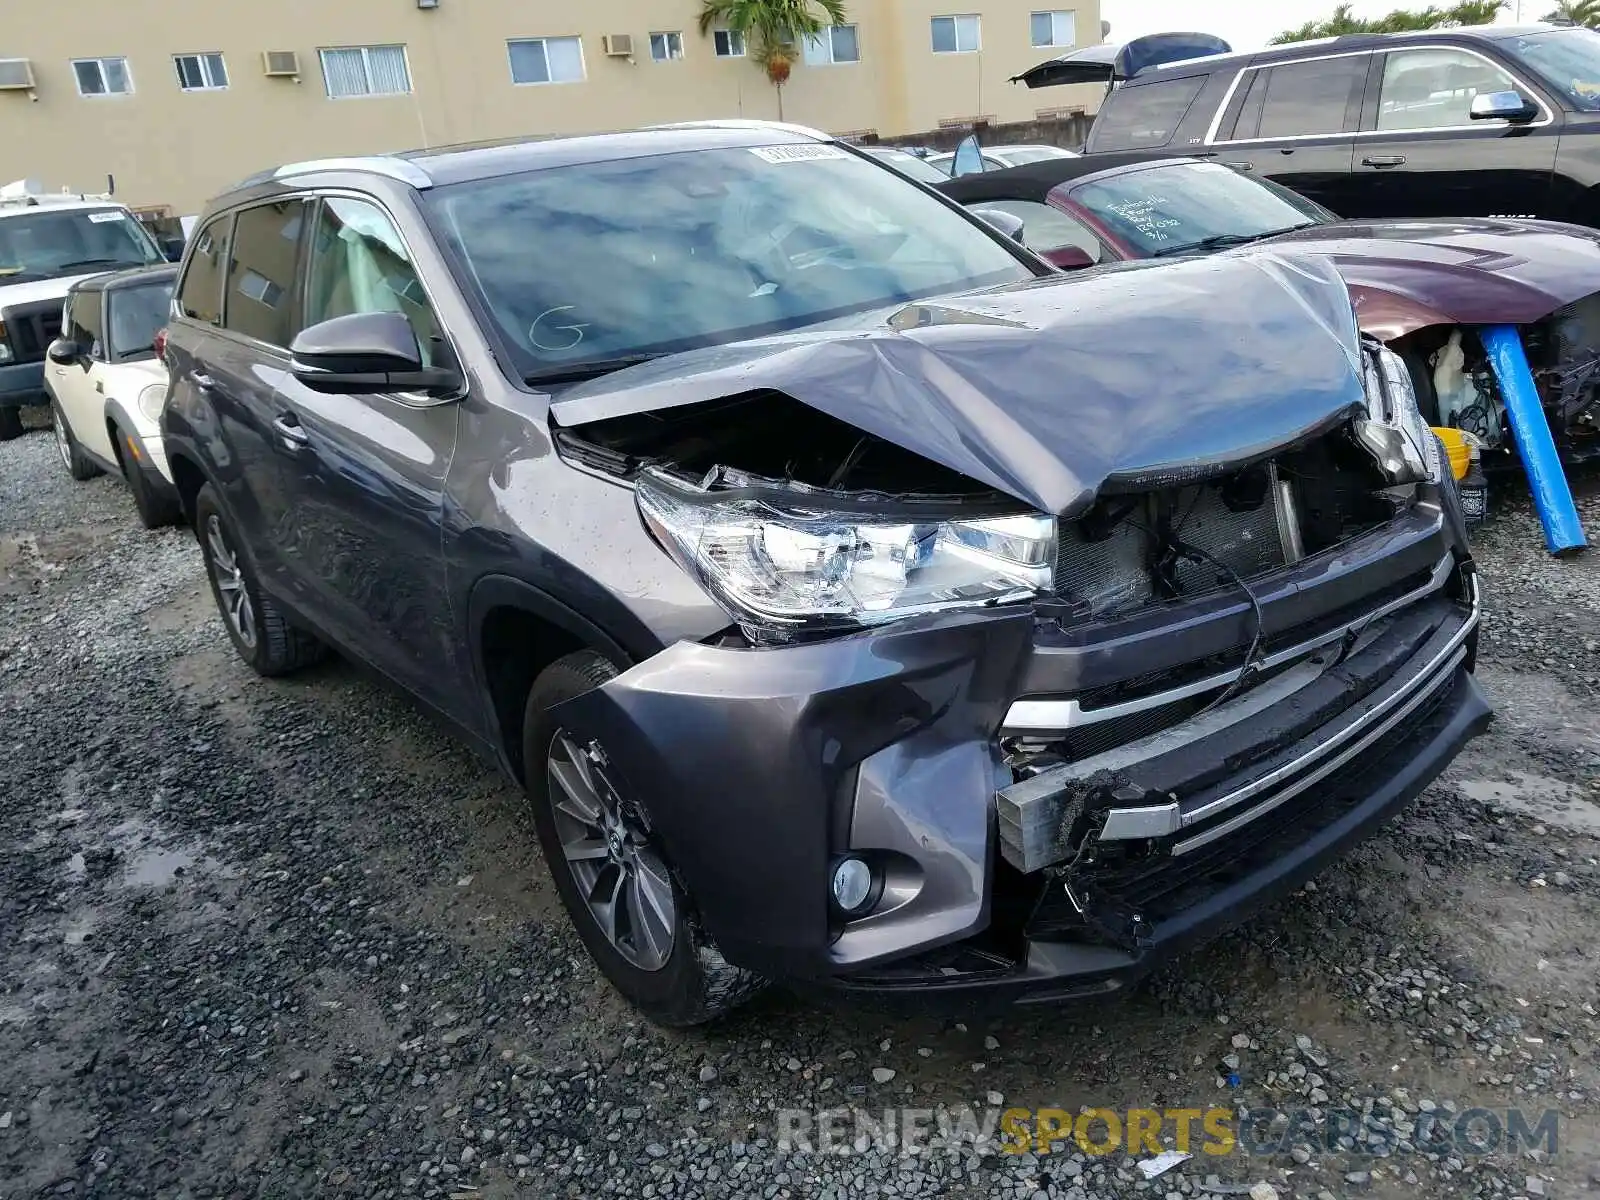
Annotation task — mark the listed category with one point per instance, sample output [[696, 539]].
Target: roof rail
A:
[[377, 164], [27, 193]]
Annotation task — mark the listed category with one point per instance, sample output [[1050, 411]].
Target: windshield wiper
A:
[[98, 262], [1216, 241], [1221, 241], [593, 369]]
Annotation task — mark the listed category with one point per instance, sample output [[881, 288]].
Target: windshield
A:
[[1163, 210], [74, 241], [647, 256], [1567, 59], [137, 312], [910, 166]]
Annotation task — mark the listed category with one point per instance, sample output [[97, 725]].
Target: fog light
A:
[[852, 884]]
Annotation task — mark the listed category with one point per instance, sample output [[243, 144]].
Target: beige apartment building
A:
[[178, 98]]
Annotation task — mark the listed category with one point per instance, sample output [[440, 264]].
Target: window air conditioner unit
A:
[[618, 45], [280, 64], [16, 75]]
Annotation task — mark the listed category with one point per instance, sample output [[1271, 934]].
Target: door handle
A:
[[1241, 166], [1384, 160], [292, 433]]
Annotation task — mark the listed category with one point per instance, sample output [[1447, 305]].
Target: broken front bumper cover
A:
[[756, 768]]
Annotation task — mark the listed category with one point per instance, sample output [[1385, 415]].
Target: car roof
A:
[[439, 166], [1345, 43], [52, 203], [1035, 180], [127, 277]]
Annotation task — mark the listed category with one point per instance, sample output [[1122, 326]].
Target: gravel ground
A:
[[285, 938]]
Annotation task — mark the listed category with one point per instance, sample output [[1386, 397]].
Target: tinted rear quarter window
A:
[[200, 293], [261, 267], [1308, 98], [1143, 115]]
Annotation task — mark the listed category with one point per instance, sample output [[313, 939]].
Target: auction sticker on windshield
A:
[[100, 218], [783, 154]]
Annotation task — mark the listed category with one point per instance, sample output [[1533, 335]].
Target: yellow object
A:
[[1458, 446]]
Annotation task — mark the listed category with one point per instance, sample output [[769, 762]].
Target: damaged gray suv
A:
[[857, 601]]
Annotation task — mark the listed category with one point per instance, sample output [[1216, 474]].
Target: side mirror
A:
[[968, 158], [1007, 223], [172, 249], [365, 354], [1068, 258], [63, 353], [1503, 106]]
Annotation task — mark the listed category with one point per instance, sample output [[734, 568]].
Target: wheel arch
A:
[[515, 630]]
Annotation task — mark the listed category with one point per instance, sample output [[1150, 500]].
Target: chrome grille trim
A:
[[1056, 716]]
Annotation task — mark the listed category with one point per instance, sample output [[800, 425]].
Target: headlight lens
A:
[[1393, 429], [792, 569], [152, 399]]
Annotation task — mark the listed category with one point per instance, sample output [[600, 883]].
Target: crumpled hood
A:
[[40, 289], [1055, 390], [1468, 271]]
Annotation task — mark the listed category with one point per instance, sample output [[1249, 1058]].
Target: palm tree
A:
[[1579, 12], [771, 29]]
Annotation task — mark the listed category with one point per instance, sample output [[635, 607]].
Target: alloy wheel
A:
[[621, 877], [63, 441], [229, 576]]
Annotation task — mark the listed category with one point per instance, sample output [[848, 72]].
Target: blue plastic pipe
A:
[[1552, 498]]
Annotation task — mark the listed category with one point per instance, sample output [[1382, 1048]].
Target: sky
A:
[[1248, 25]]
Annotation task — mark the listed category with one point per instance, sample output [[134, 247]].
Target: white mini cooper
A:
[[107, 385]]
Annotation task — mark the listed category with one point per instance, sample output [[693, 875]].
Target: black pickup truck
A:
[[1483, 121]]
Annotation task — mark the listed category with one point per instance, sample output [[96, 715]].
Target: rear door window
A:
[[261, 271], [1144, 115], [1305, 99], [200, 293]]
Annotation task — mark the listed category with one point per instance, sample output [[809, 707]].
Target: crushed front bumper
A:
[[916, 746]]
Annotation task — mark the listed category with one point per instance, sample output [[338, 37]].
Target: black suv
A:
[[856, 599], [1485, 121]]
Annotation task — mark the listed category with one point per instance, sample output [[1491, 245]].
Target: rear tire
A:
[[10, 424], [155, 510], [681, 982], [78, 465], [256, 626]]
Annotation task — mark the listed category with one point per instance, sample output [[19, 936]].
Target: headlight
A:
[[1393, 429], [789, 569], [152, 399]]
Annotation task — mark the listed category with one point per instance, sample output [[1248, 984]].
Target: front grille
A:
[[31, 328], [1159, 887]]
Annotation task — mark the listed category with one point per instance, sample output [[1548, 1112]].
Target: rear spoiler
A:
[[1112, 64]]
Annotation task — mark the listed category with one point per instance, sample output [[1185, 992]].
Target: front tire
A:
[[256, 626], [78, 465], [622, 896]]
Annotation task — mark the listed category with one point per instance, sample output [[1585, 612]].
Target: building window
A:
[[102, 76], [835, 44], [1054, 28], [664, 47], [547, 60], [365, 71], [728, 43], [956, 35], [201, 72]]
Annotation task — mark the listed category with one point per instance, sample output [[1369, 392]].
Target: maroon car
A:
[[1422, 286]]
